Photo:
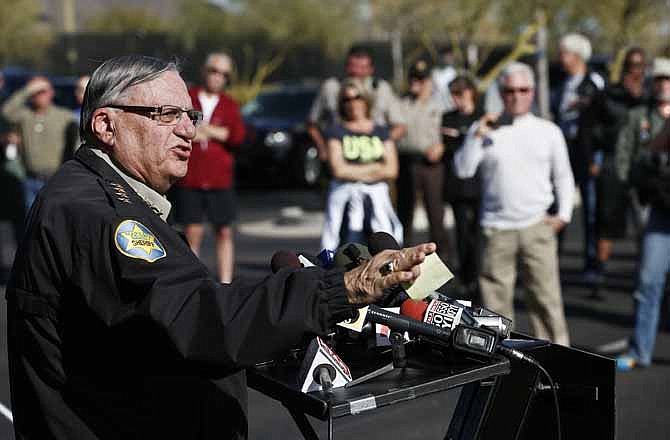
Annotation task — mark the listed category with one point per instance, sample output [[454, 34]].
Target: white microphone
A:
[[322, 368]]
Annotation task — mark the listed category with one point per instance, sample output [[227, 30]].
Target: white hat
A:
[[661, 67], [577, 44]]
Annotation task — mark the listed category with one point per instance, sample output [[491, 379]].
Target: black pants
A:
[[466, 219], [418, 175]]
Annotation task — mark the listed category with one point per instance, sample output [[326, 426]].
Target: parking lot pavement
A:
[[643, 401]]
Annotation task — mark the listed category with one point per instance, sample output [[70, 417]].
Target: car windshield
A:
[[280, 104]]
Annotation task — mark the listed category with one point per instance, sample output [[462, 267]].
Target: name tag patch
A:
[[135, 240]]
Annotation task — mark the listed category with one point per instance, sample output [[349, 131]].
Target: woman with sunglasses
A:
[[362, 158], [464, 195]]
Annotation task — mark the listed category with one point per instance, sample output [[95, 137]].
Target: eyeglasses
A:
[[165, 114], [351, 98], [513, 90], [214, 70]]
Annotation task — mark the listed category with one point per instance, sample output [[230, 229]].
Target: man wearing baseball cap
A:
[[420, 155]]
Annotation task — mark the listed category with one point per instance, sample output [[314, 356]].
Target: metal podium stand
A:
[[279, 381], [500, 399]]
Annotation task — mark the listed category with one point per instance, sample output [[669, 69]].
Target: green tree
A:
[[264, 32], [23, 38], [125, 19]]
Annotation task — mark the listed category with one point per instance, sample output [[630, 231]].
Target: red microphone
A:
[[413, 308], [438, 313], [284, 258]]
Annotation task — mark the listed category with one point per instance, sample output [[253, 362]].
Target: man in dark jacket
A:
[[115, 329], [573, 104]]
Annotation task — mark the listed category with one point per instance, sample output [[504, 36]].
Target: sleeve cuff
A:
[[334, 303]]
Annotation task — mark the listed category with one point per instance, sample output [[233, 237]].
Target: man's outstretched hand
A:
[[365, 284]]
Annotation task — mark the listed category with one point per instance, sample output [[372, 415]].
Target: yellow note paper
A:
[[434, 273]]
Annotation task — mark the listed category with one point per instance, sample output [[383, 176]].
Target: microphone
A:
[[351, 255], [404, 324], [469, 335], [284, 258], [380, 241], [443, 313], [447, 311], [322, 368]]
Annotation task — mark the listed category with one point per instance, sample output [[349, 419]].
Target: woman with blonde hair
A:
[[362, 157]]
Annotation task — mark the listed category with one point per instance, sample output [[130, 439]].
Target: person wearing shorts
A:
[[206, 193]]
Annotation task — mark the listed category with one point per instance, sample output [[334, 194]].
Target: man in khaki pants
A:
[[524, 162]]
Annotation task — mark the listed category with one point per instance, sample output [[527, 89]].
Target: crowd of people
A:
[[508, 175]]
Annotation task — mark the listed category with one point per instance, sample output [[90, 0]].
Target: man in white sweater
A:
[[524, 167]]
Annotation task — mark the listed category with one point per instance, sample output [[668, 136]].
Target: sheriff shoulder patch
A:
[[135, 240]]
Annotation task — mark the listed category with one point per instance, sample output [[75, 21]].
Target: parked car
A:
[[278, 149]]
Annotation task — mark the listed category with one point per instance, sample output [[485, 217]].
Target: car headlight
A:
[[278, 139]]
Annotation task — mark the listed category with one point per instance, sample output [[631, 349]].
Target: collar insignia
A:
[[120, 192], [135, 240]]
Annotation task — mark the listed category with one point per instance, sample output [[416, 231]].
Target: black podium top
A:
[[425, 376]]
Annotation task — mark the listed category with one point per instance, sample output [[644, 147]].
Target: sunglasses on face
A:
[[636, 64], [351, 98], [215, 71], [516, 90]]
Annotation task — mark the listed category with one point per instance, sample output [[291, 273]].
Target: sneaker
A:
[[626, 363]]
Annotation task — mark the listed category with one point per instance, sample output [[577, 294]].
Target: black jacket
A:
[[588, 139], [455, 188], [612, 114], [117, 330]]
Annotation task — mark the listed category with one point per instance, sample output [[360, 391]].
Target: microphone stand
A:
[[400, 360]]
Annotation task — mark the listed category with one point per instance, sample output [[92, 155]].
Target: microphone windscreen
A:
[[413, 308], [351, 255], [284, 258], [380, 241]]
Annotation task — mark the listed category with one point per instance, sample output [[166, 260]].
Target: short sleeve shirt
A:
[[424, 119], [360, 148]]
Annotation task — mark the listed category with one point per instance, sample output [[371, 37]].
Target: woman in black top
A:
[[463, 194], [362, 157]]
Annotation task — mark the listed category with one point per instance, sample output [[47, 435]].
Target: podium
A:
[[520, 406], [279, 381], [499, 398]]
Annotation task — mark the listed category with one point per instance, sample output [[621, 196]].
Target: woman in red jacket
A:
[[207, 189]]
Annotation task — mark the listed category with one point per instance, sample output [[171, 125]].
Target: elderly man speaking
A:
[[115, 328], [524, 161]]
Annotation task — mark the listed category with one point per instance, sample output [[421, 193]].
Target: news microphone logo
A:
[[322, 368], [443, 314]]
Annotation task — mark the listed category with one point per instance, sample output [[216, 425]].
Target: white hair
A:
[[111, 81], [577, 44], [517, 68], [224, 57]]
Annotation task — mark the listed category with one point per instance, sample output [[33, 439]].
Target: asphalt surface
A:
[[642, 396]]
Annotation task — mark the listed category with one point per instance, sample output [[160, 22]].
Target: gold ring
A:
[[387, 268]]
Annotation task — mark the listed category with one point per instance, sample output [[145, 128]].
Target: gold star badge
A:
[[138, 239], [135, 240]]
